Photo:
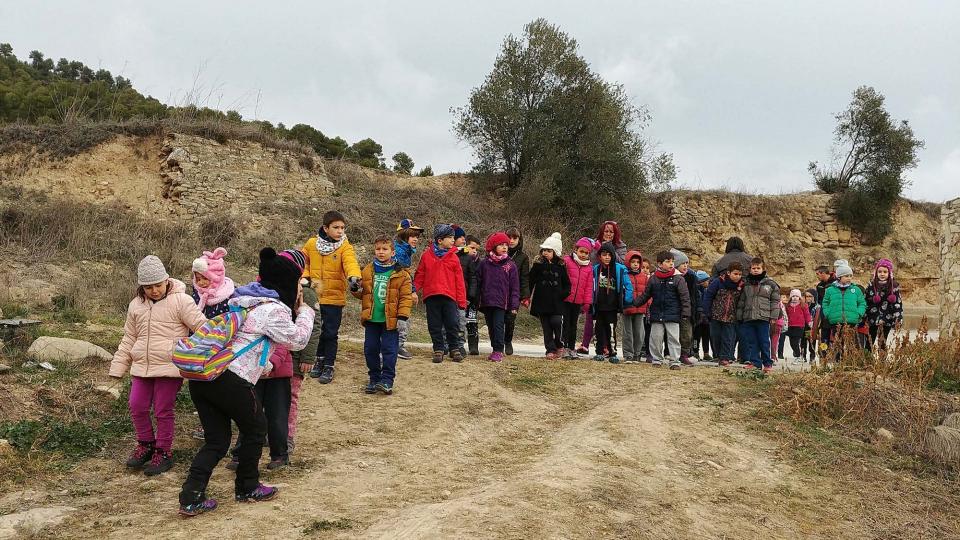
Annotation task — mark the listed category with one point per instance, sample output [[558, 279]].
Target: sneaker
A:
[[767, 369], [233, 464], [649, 358], [197, 508], [161, 462], [198, 434], [685, 360], [508, 349], [675, 365], [599, 357], [403, 353], [723, 363], [385, 388], [278, 463], [495, 357], [613, 359], [656, 363], [140, 455], [317, 368], [457, 355], [290, 445], [326, 376], [437, 357], [262, 493], [550, 356], [796, 361], [707, 358], [583, 350], [370, 388]]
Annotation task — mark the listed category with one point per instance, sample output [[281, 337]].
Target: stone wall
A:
[[950, 269]]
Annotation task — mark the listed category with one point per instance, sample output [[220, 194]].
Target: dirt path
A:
[[518, 450]]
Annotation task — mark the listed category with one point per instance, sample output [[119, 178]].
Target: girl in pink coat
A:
[[580, 272], [798, 321]]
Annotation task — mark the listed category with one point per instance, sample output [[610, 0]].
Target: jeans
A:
[[495, 322], [552, 326], [226, 398], [605, 324], [634, 334], [329, 330], [443, 322], [724, 336], [670, 330], [755, 338], [274, 397], [403, 328], [161, 394], [571, 314], [380, 351]]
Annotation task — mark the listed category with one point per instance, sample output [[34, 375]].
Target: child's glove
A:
[[354, 284], [525, 302]]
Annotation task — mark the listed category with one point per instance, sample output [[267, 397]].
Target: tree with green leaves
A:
[[402, 163], [544, 121], [872, 152], [426, 171], [367, 153]]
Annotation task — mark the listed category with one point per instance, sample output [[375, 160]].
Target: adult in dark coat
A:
[[734, 252]]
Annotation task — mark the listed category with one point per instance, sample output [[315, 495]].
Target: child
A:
[[275, 311], [758, 308], [612, 291], [331, 263], [609, 232], [469, 255], [825, 278], [550, 284], [386, 297], [211, 287], [634, 318], [844, 304], [720, 307], [523, 267], [884, 303], [778, 335], [811, 336], [405, 247], [157, 318], [798, 322], [645, 269], [682, 264], [498, 279], [701, 330], [580, 276], [440, 278], [671, 303], [302, 359]]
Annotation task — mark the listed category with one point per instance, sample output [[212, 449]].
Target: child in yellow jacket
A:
[[331, 265]]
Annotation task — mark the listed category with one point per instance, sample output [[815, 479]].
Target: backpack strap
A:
[[265, 353]]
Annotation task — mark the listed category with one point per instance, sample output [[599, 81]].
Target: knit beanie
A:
[[210, 265], [442, 230], [795, 293], [279, 274], [883, 263], [458, 231], [842, 268], [587, 243], [888, 264], [495, 240], [553, 243], [298, 257], [679, 257], [151, 270], [702, 276]]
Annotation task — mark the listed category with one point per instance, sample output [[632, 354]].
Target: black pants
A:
[[646, 337], [495, 326], [571, 315], [552, 326], [882, 331], [443, 322], [701, 338], [226, 398], [795, 335], [274, 396], [331, 317], [509, 324], [604, 324]]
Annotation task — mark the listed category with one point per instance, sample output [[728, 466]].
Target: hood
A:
[[177, 286], [514, 250], [631, 254], [610, 248], [255, 290]]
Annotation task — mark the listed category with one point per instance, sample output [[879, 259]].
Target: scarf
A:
[[665, 274], [842, 286], [439, 251], [380, 267], [498, 258], [326, 245], [578, 260], [757, 279], [210, 296]]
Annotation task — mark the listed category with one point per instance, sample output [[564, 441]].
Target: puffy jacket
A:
[[499, 283], [733, 256], [638, 280], [845, 305], [721, 298], [441, 276], [798, 315], [581, 281], [760, 299], [879, 307], [623, 283], [469, 265], [151, 332], [329, 273], [549, 285], [399, 296], [282, 360], [822, 287], [523, 267], [671, 298], [693, 288]]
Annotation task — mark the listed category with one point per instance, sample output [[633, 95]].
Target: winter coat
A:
[[151, 332], [329, 273], [282, 360], [441, 276], [798, 315], [671, 298], [622, 282], [721, 298], [523, 267], [760, 299], [822, 288], [499, 284], [268, 317], [549, 285], [693, 288], [734, 256], [581, 281], [211, 311], [308, 354], [399, 296], [469, 265], [845, 305], [884, 311], [638, 280]]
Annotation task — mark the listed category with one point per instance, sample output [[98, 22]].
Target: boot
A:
[[473, 339], [141, 455]]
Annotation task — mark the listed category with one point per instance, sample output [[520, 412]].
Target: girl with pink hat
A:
[[884, 303]]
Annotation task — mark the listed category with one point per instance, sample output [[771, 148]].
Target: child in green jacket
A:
[[844, 304]]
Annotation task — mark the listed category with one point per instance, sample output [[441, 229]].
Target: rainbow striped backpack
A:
[[207, 353]]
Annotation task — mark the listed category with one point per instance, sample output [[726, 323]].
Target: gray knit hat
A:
[[842, 268], [443, 230], [679, 257], [151, 270]]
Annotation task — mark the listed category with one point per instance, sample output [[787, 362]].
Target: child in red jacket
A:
[[439, 280], [634, 318], [798, 322]]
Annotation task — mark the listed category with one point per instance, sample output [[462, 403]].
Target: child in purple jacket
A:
[[498, 280]]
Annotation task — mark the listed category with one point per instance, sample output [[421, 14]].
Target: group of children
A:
[[293, 311]]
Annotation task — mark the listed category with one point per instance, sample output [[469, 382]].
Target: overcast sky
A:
[[742, 93]]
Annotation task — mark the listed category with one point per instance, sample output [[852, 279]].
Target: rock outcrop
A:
[[950, 269]]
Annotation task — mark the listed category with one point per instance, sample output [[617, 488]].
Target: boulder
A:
[[47, 348], [30, 522]]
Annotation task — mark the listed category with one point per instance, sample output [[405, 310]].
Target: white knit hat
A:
[[842, 268], [151, 270], [553, 243]]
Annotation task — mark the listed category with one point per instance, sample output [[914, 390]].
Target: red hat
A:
[[496, 239]]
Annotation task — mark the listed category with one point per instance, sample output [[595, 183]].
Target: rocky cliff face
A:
[[950, 269]]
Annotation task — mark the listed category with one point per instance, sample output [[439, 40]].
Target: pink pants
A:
[[295, 384], [775, 339], [161, 394], [587, 330]]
